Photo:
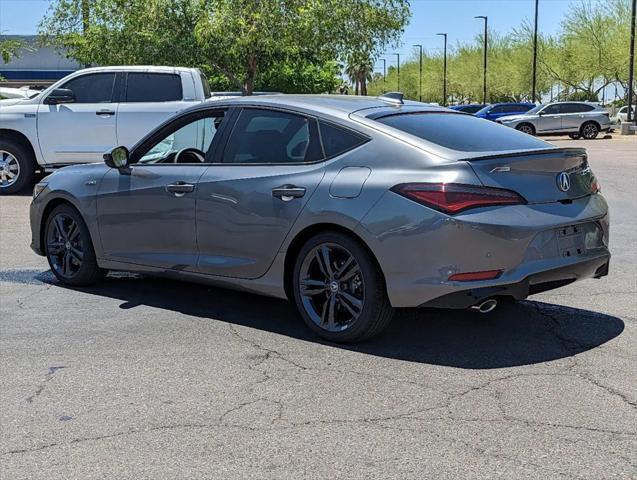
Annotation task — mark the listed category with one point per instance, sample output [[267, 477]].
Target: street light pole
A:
[[535, 53], [444, 69], [631, 64], [484, 81], [420, 76], [398, 65]]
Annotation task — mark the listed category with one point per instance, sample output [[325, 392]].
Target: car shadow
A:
[[517, 333]]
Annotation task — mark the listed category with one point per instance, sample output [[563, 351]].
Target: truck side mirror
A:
[[60, 95]]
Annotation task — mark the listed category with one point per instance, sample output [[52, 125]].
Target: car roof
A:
[[135, 68], [338, 105]]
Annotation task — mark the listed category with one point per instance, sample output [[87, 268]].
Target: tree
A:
[[238, 43], [8, 49]]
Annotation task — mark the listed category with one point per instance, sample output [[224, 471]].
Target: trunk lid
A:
[[541, 176]]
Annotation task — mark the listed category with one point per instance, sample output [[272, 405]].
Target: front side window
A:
[[186, 143], [92, 88], [153, 87], [272, 137], [552, 109], [462, 132]]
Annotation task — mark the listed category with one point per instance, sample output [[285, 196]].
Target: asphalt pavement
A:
[[145, 378]]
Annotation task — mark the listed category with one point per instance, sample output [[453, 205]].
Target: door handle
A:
[[105, 112], [288, 192], [179, 189]]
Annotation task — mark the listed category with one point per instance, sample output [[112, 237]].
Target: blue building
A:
[[35, 65]]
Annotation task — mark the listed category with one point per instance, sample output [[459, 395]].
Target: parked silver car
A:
[[576, 119], [349, 206]]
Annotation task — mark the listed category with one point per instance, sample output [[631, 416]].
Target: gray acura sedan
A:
[[348, 206]]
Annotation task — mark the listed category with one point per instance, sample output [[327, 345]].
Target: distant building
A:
[[35, 65]]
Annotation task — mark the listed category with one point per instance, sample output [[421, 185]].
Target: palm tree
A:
[[359, 70]]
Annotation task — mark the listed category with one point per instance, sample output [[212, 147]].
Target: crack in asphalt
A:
[[40, 388]]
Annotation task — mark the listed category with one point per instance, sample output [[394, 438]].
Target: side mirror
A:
[[117, 158], [60, 95]]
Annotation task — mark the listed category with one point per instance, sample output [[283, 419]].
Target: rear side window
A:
[[272, 137], [338, 140], [576, 108], [93, 88], [462, 132], [153, 87]]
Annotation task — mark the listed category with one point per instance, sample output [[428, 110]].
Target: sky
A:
[[454, 17]]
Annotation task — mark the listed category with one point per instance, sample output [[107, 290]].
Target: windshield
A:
[[535, 109], [483, 110]]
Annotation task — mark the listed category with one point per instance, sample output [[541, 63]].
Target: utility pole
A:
[[631, 65], [398, 65], [420, 75], [535, 54], [486, 34], [444, 70], [85, 8], [384, 74]]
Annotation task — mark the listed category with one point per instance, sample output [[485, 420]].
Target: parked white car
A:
[[88, 113], [20, 93], [622, 115]]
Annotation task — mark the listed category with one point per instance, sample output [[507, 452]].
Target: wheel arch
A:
[[9, 134], [49, 207], [304, 235]]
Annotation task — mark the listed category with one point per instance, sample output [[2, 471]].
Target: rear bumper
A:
[[418, 249], [536, 283]]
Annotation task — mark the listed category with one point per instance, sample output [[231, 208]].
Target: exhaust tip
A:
[[486, 307]]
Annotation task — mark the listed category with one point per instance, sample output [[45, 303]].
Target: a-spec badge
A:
[[564, 181]]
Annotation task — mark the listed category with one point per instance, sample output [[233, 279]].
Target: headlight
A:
[[38, 189]]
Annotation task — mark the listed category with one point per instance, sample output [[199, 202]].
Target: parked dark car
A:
[[469, 107], [497, 110]]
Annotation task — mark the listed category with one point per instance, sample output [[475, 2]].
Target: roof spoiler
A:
[[392, 97]]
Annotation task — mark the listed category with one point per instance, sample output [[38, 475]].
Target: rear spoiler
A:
[[570, 151]]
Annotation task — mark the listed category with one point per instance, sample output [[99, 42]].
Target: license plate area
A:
[[571, 241]]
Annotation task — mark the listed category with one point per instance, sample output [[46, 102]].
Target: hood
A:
[[6, 102]]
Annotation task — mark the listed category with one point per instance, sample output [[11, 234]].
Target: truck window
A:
[[153, 87], [92, 88]]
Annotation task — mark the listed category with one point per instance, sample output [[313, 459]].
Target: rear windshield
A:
[[462, 132]]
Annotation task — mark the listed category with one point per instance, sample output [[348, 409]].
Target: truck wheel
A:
[[17, 167]]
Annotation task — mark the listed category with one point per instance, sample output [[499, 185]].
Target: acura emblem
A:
[[564, 181]]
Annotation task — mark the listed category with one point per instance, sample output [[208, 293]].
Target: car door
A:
[[146, 214], [574, 115], [248, 201], [550, 119], [147, 100], [80, 131]]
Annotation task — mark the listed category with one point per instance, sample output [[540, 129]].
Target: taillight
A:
[[452, 198]]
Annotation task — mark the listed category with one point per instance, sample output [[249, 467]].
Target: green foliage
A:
[[9, 49], [590, 53], [286, 45]]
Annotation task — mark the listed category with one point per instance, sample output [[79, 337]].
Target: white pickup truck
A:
[[87, 113]]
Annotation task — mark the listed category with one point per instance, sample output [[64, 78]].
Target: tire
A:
[[575, 136], [526, 128], [346, 306], [589, 130], [69, 249], [17, 167]]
